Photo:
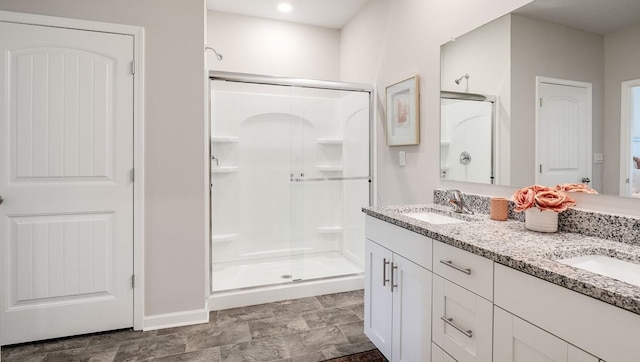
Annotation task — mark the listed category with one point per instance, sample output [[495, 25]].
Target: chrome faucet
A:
[[458, 203]]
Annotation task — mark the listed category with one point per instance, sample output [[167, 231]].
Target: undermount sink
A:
[[433, 218], [614, 268]]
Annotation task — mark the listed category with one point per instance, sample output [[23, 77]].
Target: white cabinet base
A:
[[397, 305]]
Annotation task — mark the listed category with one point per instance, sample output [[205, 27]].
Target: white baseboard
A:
[[178, 319]]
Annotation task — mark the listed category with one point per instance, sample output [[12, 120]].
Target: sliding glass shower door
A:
[[290, 174]]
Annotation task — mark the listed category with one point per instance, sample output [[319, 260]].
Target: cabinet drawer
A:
[[468, 270], [461, 322], [408, 244], [438, 355]]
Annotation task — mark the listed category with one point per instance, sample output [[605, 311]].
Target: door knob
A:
[[1, 200]]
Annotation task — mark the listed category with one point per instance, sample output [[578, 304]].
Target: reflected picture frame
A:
[[403, 112]]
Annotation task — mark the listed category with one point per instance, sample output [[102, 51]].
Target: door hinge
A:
[[540, 168], [540, 102], [133, 66], [133, 281], [132, 174]]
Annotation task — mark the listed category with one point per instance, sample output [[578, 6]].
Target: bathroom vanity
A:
[[466, 288]]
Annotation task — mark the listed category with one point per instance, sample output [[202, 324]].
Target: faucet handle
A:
[[457, 194]]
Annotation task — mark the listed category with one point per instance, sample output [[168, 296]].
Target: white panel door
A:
[[563, 139], [66, 152]]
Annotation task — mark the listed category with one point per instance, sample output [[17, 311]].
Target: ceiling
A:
[[324, 13], [596, 16]]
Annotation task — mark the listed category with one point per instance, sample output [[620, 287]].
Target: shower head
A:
[[466, 76], [218, 55]]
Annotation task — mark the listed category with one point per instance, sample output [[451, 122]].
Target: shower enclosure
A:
[[290, 172]]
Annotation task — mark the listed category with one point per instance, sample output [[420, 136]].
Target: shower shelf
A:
[[220, 139], [329, 229], [221, 238], [329, 141], [225, 169], [329, 168]]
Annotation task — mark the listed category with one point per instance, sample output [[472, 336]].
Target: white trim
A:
[[570, 83], [625, 135], [56, 22], [178, 319], [207, 182], [269, 294], [138, 124], [138, 186]]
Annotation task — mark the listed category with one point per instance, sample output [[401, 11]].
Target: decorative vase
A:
[[541, 220]]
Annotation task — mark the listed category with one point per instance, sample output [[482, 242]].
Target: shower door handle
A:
[[384, 271]]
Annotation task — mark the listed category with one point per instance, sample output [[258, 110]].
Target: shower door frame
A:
[[283, 81]]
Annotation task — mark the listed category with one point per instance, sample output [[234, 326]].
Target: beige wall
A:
[[174, 138], [622, 51], [544, 49], [267, 47]]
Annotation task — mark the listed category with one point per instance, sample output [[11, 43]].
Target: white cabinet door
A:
[[516, 340], [462, 322], [378, 301], [411, 311]]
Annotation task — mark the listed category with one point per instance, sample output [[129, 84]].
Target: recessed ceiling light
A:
[[285, 7]]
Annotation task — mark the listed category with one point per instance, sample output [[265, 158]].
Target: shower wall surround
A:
[[620, 228], [290, 171]]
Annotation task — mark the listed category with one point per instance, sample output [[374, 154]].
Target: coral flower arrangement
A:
[[548, 198]]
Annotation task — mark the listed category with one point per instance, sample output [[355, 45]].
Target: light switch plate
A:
[[402, 158], [598, 158]]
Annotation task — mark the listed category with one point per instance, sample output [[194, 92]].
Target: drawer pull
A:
[[450, 322], [384, 272], [449, 263]]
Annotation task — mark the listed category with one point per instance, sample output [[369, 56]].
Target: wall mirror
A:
[[547, 94]]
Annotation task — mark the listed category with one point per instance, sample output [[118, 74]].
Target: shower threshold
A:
[[274, 272]]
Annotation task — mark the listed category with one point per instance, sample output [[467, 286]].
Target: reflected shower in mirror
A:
[[466, 142], [563, 74]]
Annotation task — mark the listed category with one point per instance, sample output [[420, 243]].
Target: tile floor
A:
[[308, 329]]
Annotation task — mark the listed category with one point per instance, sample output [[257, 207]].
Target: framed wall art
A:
[[403, 115]]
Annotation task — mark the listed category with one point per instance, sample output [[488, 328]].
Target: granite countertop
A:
[[534, 253]]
